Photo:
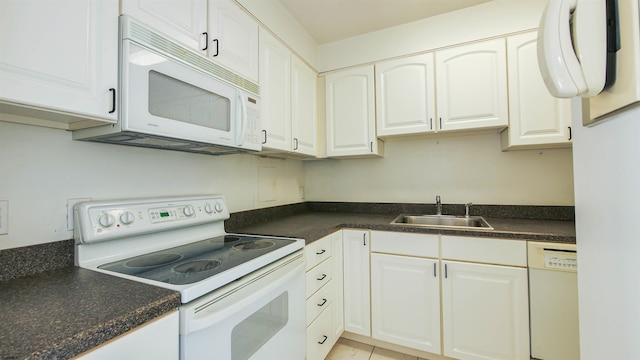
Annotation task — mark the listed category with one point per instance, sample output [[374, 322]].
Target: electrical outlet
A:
[[70, 204], [4, 217]]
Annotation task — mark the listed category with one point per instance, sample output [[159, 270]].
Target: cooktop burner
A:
[[190, 263]]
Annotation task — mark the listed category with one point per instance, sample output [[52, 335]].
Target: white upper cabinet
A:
[[61, 57], [405, 96], [536, 119], [350, 113], [472, 86], [183, 20], [304, 114], [289, 101], [233, 38], [275, 81]]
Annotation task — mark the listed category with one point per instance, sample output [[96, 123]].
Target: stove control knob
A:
[[106, 220], [127, 218], [188, 210], [218, 207], [208, 208]]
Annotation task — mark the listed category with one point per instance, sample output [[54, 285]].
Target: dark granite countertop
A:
[[64, 312], [313, 225]]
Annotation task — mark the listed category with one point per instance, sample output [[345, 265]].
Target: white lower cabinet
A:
[[405, 301], [324, 295], [357, 306], [485, 311], [159, 339]]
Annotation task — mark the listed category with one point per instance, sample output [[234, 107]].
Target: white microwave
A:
[[174, 98]]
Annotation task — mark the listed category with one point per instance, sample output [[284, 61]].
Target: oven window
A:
[[253, 332], [174, 99]]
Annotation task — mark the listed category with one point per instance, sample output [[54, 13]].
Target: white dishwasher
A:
[[553, 301]]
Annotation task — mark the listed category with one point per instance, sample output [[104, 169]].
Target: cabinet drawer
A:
[[492, 251], [317, 252], [319, 301], [320, 336], [423, 245], [318, 276]]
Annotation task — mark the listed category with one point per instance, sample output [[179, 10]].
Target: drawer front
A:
[[318, 277], [320, 336], [317, 252], [485, 250], [319, 301], [422, 245]]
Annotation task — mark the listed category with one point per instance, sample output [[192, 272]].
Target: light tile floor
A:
[[351, 350]]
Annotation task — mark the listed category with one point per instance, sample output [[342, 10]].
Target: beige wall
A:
[[459, 169], [41, 168]]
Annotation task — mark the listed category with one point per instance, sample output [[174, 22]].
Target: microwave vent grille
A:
[[139, 33]]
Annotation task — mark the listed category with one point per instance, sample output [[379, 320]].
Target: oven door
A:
[[261, 316]]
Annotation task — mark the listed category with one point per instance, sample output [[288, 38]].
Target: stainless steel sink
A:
[[443, 221]]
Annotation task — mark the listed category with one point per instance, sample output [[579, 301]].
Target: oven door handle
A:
[[225, 304]]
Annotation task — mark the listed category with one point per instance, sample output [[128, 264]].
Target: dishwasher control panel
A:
[[562, 260]]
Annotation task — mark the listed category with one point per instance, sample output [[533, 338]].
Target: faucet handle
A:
[[466, 208]]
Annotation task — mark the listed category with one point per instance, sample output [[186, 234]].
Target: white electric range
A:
[[242, 295]]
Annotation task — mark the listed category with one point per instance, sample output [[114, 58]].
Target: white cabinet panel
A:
[[60, 56], [405, 301], [320, 336], [183, 20], [405, 96], [472, 86], [536, 119], [304, 109], [233, 38], [338, 284], [485, 311], [410, 244], [159, 339], [357, 306], [351, 127]]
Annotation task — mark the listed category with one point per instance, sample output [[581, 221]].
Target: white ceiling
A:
[[331, 20]]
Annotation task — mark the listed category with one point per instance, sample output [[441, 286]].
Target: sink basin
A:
[[443, 221]]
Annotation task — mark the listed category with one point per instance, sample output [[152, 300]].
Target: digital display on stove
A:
[[164, 214]]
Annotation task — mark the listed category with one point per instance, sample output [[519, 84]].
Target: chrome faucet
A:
[[466, 209], [438, 205]]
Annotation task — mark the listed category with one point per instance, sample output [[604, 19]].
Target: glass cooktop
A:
[[190, 263]]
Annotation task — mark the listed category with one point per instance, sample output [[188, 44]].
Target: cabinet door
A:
[[351, 113], [338, 285], [275, 87], [60, 55], [535, 117], [405, 96], [233, 38], [304, 122], [357, 308], [183, 20], [485, 311], [405, 301], [472, 86]]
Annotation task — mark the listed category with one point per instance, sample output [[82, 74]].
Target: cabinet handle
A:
[[217, 48], [295, 141], [322, 277], [445, 271], [434, 270], [321, 252], [372, 146], [570, 134], [324, 301], [323, 340], [113, 100], [440, 124], [265, 136], [364, 239], [431, 123], [206, 40]]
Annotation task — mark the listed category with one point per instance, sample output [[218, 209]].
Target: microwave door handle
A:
[[243, 118]]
